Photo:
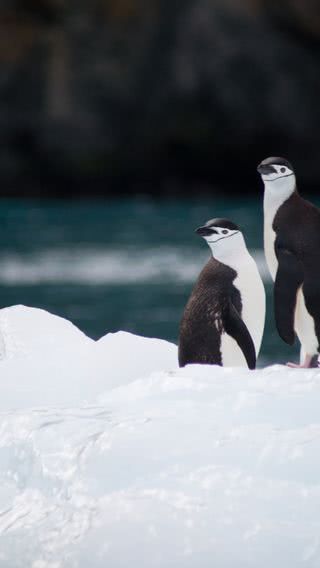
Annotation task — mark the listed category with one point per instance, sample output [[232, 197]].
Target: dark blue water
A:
[[110, 265]]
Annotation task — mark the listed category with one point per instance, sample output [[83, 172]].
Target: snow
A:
[[111, 456], [49, 361]]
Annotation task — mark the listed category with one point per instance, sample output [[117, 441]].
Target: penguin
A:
[[223, 320], [292, 250]]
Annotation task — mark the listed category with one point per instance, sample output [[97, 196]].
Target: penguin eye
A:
[[282, 170], [224, 232]]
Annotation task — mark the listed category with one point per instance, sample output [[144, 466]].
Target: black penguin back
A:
[[203, 319]]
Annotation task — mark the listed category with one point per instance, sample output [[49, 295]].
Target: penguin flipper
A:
[[237, 329], [288, 280]]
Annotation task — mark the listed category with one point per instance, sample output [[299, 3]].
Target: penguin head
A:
[[217, 230], [225, 240], [277, 170]]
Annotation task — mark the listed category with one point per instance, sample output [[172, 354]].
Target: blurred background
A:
[[124, 124]]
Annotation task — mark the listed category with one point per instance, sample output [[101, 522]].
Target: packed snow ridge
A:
[[111, 456]]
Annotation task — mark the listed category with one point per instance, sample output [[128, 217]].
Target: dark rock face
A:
[[123, 95]]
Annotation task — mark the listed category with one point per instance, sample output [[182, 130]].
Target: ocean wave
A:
[[102, 267]]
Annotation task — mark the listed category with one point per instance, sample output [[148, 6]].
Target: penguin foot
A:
[[307, 363]]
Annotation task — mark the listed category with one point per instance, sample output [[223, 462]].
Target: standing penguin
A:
[[223, 320], [292, 249]]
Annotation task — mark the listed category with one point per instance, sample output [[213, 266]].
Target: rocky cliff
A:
[[157, 95]]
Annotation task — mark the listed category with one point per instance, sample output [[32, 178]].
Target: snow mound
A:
[[111, 456], [46, 360]]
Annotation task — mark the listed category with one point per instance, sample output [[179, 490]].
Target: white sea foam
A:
[[96, 266]]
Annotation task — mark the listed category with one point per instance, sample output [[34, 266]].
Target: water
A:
[[121, 264]]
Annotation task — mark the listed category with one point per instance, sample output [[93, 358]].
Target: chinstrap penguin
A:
[[292, 250], [223, 320]]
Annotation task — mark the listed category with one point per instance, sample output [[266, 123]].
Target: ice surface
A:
[[49, 361], [111, 456]]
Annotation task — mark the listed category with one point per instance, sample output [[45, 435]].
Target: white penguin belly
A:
[[231, 353], [304, 326], [269, 240], [253, 299], [252, 292]]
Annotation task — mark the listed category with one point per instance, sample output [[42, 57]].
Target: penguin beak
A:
[[265, 169], [204, 231]]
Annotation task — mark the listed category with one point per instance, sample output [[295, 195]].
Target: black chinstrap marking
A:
[[279, 177], [223, 238]]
